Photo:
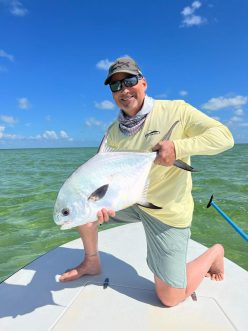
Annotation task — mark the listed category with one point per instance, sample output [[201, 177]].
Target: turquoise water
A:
[[31, 178]]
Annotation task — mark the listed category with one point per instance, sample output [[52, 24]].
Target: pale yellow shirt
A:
[[195, 134]]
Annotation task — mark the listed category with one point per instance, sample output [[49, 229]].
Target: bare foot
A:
[[90, 266], [216, 272]]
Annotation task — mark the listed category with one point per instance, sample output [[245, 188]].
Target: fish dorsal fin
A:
[[168, 134], [104, 148], [98, 193], [103, 144], [178, 163]]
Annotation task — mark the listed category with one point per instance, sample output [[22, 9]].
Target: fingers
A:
[[166, 153], [104, 214], [157, 147]]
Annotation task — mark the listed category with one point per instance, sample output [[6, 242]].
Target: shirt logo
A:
[[151, 133]]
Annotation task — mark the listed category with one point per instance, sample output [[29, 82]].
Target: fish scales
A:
[[125, 175]]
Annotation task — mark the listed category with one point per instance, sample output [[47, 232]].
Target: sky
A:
[[54, 57]]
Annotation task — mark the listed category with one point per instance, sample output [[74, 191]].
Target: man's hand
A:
[[104, 214], [166, 153]]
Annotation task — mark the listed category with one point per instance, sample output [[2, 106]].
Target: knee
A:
[[171, 297], [167, 301]]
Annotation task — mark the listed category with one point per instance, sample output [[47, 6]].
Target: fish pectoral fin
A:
[[149, 205], [99, 193], [182, 165]]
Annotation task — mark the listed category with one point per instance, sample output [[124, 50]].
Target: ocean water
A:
[[30, 180]]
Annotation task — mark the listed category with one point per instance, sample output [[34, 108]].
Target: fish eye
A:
[[65, 212]]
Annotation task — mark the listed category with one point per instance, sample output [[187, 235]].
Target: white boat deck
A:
[[33, 299]]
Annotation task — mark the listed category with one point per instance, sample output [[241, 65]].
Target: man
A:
[[141, 125]]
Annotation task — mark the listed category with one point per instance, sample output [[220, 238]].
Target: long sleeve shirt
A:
[[194, 134]]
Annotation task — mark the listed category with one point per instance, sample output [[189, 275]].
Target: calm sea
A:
[[31, 178]]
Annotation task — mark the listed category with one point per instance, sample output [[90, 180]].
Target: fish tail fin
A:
[[182, 165]]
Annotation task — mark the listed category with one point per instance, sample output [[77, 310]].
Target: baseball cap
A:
[[123, 64]]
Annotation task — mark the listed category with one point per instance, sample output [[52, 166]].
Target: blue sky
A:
[[54, 56]]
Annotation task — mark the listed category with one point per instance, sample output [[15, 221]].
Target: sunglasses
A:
[[128, 82]]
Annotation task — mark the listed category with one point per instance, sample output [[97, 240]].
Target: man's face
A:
[[129, 99]]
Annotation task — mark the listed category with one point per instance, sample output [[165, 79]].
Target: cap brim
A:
[[118, 71]]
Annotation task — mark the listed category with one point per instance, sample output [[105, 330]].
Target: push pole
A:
[[228, 219]]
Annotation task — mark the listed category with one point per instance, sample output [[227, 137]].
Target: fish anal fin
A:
[[149, 205], [98, 193]]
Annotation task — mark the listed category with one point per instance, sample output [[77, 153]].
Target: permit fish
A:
[[111, 179]]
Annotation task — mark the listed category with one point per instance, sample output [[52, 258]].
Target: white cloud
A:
[[13, 136], [222, 102], [162, 96], [236, 119], [2, 128], [183, 93], [8, 136], [4, 135], [49, 135], [106, 104], [23, 103], [193, 20], [8, 119], [93, 122], [190, 10], [239, 112], [237, 122], [53, 135], [189, 17], [16, 8], [6, 55], [244, 125], [104, 64], [63, 134]]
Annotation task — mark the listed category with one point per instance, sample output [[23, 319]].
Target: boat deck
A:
[[33, 299]]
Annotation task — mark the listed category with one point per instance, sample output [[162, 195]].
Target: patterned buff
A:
[[131, 125]]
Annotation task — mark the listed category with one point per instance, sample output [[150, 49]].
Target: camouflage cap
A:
[[123, 64]]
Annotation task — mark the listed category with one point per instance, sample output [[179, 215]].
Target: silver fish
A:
[[112, 180]]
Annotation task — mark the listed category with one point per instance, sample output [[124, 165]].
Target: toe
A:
[[70, 275]]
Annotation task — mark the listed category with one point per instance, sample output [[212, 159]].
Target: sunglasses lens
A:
[[128, 82], [131, 81], [115, 86]]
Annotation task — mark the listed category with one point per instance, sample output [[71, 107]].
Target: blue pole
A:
[[228, 219]]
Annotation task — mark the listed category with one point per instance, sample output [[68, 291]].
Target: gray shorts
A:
[[166, 246]]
